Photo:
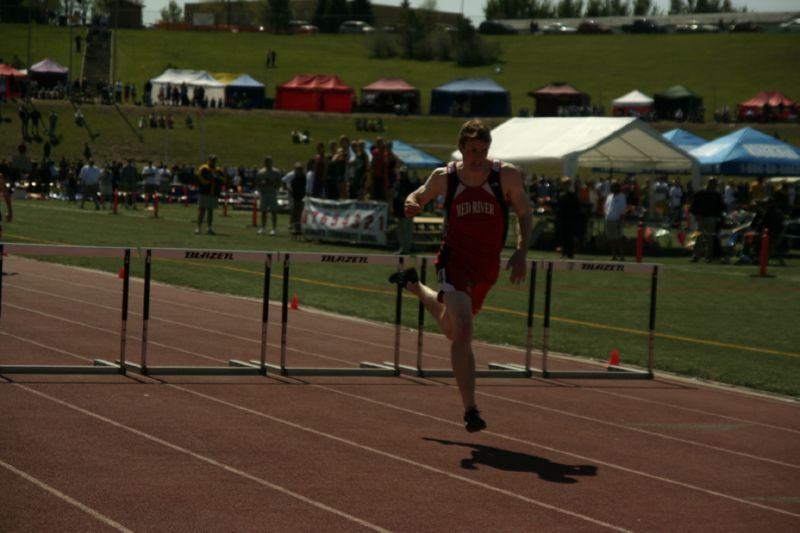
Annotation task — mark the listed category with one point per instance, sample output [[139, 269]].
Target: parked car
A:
[[302, 26], [694, 26], [791, 25], [355, 26], [558, 28], [745, 27], [592, 26], [643, 25], [495, 27]]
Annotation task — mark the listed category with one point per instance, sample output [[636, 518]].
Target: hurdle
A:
[[99, 366], [493, 370], [365, 368], [235, 367], [615, 372]]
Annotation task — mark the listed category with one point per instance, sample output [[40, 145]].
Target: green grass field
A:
[[713, 321], [724, 69]]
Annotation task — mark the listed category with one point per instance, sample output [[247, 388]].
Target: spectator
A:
[[211, 180], [106, 182], [21, 164], [149, 183], [380, 170], [337, 165], [614, 210], [297, 191], [568, 215], [773, 222], [320, 171], [707, 208], [268, 183], [360, 163], [89, 178], [675, 202], [129, 182]]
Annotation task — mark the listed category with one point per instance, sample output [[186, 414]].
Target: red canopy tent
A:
[[315, 92], [556, 97], [384, 94], [10, 81], [767, 106]]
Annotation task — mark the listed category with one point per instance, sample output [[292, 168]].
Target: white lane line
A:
[[505, 437], [694, 410], [60, 495], [205, 459], [561, 412], [399, 458], [581, 457], [482, 393]]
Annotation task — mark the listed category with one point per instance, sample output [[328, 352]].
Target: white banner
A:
[[348, 221]]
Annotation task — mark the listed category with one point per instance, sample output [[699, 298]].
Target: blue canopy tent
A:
[[683, 139], [245, 92], [410, 156], [748, 152], [475, 97]]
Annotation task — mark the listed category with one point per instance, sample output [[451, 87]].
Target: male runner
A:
[[478, 192]]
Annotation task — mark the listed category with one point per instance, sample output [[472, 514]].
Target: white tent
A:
[[623, 144], [633, 99], [192, 78]]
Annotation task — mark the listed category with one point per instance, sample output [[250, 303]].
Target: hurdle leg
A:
[[265, 313]]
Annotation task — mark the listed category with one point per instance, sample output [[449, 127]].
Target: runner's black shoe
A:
[[473, 421], [404, 277]]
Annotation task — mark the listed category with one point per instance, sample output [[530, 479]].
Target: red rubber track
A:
[[252, 453]]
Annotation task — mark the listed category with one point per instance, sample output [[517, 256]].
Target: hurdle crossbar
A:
[[493, 370], [365, 368], [99, 366], [611, 372], [235, 367]]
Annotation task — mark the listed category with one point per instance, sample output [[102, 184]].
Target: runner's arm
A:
[[435, 185]]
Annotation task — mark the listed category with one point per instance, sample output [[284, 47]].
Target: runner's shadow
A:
[[518, 462]]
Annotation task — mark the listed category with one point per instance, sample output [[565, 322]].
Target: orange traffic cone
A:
[[295, 303], [614, 359]]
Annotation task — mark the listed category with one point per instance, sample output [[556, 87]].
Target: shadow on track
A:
[[518, 462]]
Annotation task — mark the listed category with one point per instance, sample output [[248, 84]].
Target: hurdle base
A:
[[99, 367], [236, 368], [495, 370], [611, 372], [365, 369]]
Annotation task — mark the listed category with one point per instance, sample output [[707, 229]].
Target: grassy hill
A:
[[724, 69]]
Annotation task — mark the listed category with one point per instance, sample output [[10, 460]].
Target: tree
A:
[[410, 29], [595, 8], [172, 13], [677, 7], [644, 8], [278, 15], [570, 8], [319, 12], [335, 13], [511, 9], [362, 10], [618, 8]]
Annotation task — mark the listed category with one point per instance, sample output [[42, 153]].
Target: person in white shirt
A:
[[675, 202], [615, 208], [89, 177], [729, 197], [150, 182]]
